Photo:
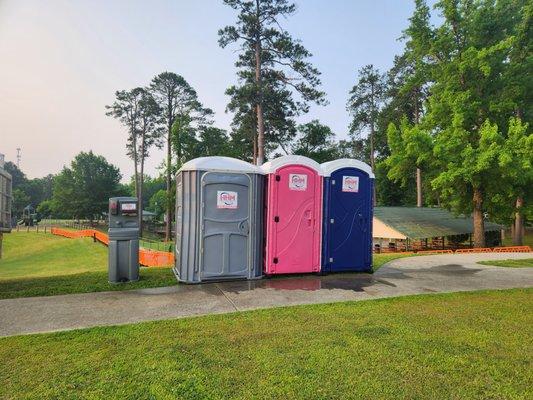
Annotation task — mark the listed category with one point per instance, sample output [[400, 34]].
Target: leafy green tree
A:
[[411, 149], [273, 69], [516, 181], [20, 200], [409, 81], [466, 109], [364, 104], [177, 100], [139, 112], [316, 141], [158, 203], [18, 177], [84, 189]]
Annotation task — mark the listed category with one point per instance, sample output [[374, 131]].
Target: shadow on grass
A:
[[82, 283]]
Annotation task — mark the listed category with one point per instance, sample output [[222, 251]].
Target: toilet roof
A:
[[276, 163], [219, 163], [331, 166]]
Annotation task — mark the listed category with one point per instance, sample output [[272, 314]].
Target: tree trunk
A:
[[479, 223], [254, 140], [518, 237], [1, 240], [372, 161], [419, 187], [141, 184], [169, 185], [259, 105]]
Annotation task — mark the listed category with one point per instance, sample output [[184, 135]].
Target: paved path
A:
[[416, 275]]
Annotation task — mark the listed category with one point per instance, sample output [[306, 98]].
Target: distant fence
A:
[[148, 258], [508, 249]]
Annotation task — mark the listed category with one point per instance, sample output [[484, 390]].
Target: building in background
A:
[[5, 201], [424, 228]]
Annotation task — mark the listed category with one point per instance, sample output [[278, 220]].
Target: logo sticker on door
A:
[[227, 199], [350, 184], [297, 182]]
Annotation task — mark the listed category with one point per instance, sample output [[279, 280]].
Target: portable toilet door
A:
[[348, 210], [293, 215], [219, 214]]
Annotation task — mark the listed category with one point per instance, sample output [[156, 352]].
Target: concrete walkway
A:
[[414, 275]]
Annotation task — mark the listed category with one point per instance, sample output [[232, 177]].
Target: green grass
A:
[[520, 263], [38, 264], [31, 255], [528, 238], [380, 259], [452, 346]]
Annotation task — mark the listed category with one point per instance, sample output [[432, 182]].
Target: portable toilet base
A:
[[219, 220]]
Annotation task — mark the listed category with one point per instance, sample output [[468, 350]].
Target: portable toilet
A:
[[347, 222], [219, 220], [293, 215]]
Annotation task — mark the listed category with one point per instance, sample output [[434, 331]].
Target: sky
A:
[[61, 62]]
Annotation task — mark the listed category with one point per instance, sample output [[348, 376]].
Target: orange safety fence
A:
[[435, 252], [148, 258], [154, 258], [512, 249], [475, 250]]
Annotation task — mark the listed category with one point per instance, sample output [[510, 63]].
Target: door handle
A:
[[244, 227]]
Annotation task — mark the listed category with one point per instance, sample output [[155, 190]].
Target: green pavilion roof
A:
[[424, 222]]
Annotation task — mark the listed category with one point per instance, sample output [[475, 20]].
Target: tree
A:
[[364, 104], [411, 149], [410, 76], [466, 109], [316, 141], [126, 109], [273, 68], [516, 182], [20, 200], [176, 98], [84, 189], [139, 112]]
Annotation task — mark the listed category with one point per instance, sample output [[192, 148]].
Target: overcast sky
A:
[[61, 62]]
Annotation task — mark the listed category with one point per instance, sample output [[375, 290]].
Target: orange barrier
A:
[[475, 250], [153, 258], [512, 249], [148, 258], [435, 252]]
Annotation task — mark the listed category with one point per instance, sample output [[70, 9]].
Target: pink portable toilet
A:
[[293, 215]]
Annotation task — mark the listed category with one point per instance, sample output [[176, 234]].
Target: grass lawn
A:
[[528, 238], [449, 346], [38, 264], [379, 259], [521, 263]]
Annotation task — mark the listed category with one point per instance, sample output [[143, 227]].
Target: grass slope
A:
[[462, 345], [38, 264], [31, 254], [520, 263]]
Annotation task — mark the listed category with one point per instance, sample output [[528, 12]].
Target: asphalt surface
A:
[[406, 276]]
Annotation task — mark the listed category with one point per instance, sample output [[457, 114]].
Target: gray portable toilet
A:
[[219, 220]]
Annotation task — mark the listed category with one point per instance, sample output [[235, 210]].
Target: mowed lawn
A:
[[39, 264], [473, 345], [519, 263]]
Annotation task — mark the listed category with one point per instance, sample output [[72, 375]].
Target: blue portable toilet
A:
[[347, 216]]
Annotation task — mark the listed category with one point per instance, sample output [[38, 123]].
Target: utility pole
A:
[[19, 156]]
